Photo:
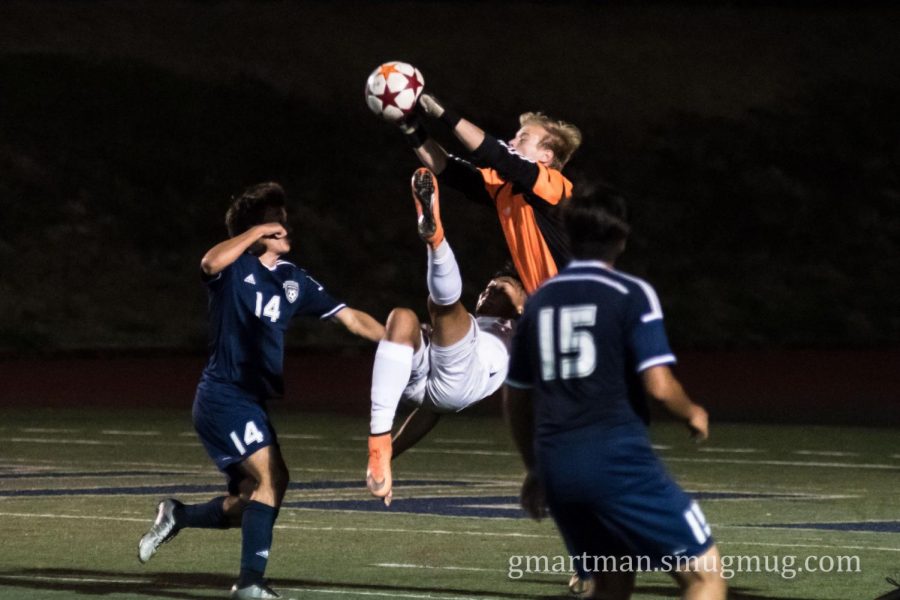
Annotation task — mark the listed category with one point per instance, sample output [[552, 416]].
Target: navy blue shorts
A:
[[231, 428], [610, 495]]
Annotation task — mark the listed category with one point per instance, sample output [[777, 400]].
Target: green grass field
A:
[[79, 487]]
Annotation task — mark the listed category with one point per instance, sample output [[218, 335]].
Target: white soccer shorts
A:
[[453, 378]]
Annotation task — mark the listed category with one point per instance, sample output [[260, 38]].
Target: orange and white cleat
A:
[[378, 473], [425, 195]]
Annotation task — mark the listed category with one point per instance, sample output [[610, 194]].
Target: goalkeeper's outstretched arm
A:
[[467, 132], [488, 151]]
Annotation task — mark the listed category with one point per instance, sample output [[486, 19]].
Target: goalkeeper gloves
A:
[[412, 128], [433, 108], [413, 131]]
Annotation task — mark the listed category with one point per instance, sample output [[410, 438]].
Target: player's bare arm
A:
[[431, 154], [224, 253], [470, 135], [519, 411], [538, 155], [662, 385], [520, 415], [360, 323]]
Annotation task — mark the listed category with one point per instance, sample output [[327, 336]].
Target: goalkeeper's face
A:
[[528, 142]]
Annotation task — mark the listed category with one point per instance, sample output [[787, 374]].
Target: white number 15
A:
[[576, 351]]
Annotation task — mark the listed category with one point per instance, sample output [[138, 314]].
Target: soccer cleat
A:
[[425, 195], [378, 473], [254, 591], [162, 530], [581, 588]]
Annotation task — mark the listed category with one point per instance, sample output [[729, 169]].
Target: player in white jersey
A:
[[461, 358]]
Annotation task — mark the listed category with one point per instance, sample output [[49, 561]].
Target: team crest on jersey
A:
[[291, 290]]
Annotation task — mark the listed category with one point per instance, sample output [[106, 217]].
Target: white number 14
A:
[[272, 308]]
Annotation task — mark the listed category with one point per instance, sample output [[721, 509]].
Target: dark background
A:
[[759, 145]]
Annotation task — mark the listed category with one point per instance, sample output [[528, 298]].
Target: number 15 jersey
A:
[[584, 335], [250, 308]]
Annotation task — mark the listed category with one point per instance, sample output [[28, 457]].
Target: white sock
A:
[[390, 374], [444, 281]]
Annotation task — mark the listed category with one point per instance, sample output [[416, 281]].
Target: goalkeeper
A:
[[521, 178]]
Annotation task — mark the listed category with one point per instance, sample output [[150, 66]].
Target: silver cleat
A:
[[253, 592], [162, 530]]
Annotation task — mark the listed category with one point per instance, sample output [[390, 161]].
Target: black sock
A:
[[256, 539], [210, 515]]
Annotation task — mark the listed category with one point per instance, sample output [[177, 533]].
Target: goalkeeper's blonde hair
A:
[[562, 138]]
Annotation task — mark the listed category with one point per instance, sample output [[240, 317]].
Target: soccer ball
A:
[[393, 89]]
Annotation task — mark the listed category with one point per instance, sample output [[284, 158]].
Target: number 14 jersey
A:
[[250, 308]]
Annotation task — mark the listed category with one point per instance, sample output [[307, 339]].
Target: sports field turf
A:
[[79, 487]]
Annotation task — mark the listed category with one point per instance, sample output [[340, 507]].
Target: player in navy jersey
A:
[[587, 452], [253, 295], [460, 361]]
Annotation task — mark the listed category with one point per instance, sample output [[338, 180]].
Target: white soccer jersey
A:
[[453, 378]]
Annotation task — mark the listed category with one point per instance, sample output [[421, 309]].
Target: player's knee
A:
[[704, 575], [402, 326]]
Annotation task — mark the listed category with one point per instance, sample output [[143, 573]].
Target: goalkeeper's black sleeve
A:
[[513, 167], [462, 176]]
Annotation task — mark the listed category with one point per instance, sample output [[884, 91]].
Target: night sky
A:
[[758, 148]]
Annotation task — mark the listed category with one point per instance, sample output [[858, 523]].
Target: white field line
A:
[[434, 567], [46, 430], [55, 516], [72, 579], [463, 452], [346, 592], [112, 475], [68, 442], [872, 548], [731, 450], [421, 492], [895, 455], [129, 432], [786, 463], [825, 453], [475, 442], [80, 442], [356, 512], [781, 495], [660, 447], [299, 436]]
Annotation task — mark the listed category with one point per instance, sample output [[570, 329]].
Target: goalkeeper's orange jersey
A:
[[534, 236], [525, 195]]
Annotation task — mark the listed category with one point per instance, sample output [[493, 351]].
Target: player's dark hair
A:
[[509, 270], [258, 204], [596, 220]]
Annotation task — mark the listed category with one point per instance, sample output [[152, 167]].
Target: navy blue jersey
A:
[[584, 335], [250, 307]]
